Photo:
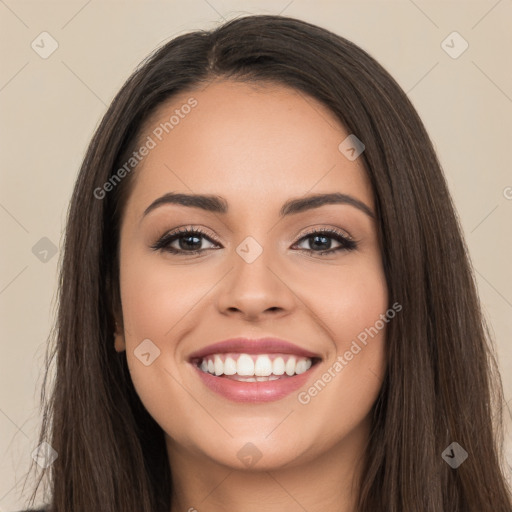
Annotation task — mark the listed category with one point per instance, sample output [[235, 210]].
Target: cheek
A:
[[156, 295], [347, 299], [352, 304], [157, 298]]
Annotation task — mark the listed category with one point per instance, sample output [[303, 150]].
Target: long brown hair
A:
[[442, 384]]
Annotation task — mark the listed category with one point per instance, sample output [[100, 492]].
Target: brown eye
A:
[[189, 242], [320, 241]]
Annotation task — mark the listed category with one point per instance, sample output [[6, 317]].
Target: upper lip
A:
[[253, 346]]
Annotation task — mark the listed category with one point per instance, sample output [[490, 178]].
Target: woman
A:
[[214, 349]]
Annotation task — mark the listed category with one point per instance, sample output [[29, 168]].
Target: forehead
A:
[[246, 142]]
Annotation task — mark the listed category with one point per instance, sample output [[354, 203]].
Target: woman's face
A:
[[259, 274]]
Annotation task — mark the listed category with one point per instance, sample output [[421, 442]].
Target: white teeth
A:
[[259, 367], [302, 365], [245, 365], [263, 366], [256, 379], [290, 366], [218, 365], [278, 366], [229, 366]]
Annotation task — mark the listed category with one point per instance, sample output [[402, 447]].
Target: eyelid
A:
[[200, 230], [339, 231], [344, 238], [165, 240], [195, 228]]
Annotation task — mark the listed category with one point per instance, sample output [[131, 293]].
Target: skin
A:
[[256, 146]]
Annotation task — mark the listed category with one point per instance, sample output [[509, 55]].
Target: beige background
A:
[[50, 108]]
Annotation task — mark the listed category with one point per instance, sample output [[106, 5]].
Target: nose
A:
[[256, 290]]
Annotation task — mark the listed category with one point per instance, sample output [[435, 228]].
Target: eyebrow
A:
[[217, 204]]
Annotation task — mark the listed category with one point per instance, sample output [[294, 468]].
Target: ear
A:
[[117, 316], [119, 340]]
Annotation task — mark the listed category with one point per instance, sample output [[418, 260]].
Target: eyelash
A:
[[163, 244]]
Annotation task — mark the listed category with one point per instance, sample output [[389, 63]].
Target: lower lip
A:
[[266, 391]]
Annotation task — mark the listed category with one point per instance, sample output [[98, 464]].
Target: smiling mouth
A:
[[254, 367]]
